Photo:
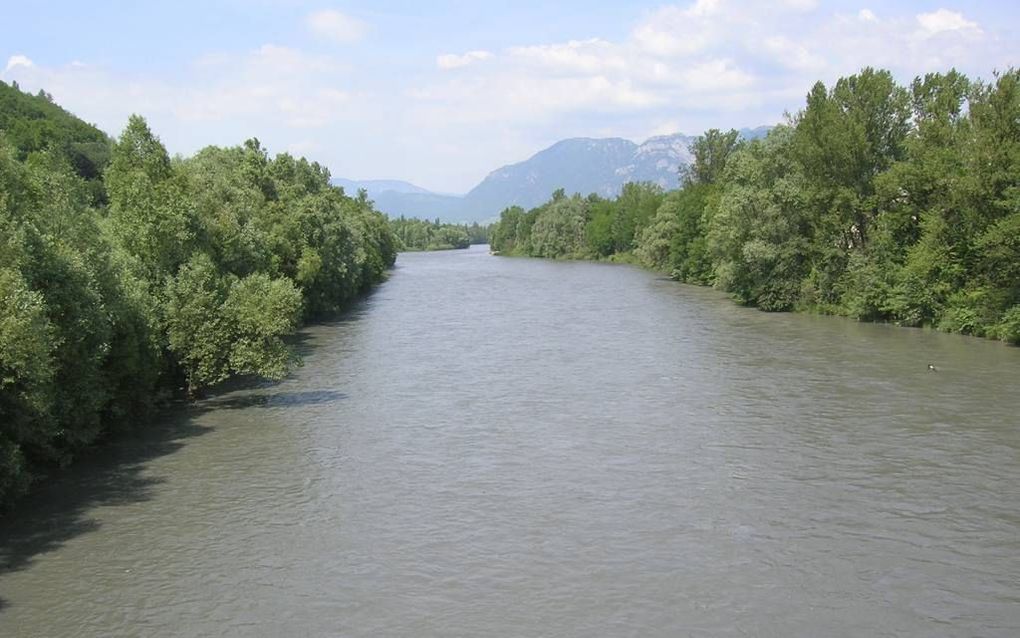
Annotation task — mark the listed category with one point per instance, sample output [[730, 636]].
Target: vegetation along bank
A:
[[422, 234], [126, 274], [876, 201]]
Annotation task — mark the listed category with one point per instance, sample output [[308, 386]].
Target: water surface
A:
[[509, 447]]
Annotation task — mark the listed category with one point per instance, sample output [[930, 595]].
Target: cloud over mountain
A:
[[436, 96]]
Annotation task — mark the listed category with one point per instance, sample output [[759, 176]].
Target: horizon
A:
[[524, 160], [440, 96]]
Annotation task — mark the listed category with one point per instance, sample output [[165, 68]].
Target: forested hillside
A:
[[876, 201], [34, 123], [125, 274]]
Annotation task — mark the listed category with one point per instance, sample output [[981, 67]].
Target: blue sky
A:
[[441, 93]]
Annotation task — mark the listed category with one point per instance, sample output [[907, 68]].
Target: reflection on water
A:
[[511, 447]]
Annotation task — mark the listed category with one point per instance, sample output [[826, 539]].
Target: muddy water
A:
[[509, 447]]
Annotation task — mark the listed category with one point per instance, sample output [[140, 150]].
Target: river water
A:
[[508, 447]]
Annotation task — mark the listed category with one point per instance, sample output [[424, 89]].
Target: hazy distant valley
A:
[[577, 165]]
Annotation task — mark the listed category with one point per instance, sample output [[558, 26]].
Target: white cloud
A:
[[576, 56], [704, 7], [685, 66], [285, 61], [18, 60], [944, 20], [512, 96], [697, 63], [272, 82], [715, 25], [664, 127], [907, 45], [336, 26], [274, 92], [715, 75], [672, 31], [316, 110], [801, 5], [453, 61], [792, 54]]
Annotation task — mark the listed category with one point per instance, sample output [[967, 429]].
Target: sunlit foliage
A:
[[875, 201], [126, 274]]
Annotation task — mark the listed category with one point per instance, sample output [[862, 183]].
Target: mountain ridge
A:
[[352, 186], [578, 165]]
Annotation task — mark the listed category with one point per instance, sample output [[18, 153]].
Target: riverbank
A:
[[878, 202], [432, 248], [127, 275], [629, 259], [426, 235], [546, 460]]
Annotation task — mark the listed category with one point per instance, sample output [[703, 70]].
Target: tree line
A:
[[875, 201], [422, 234], [126, 274]]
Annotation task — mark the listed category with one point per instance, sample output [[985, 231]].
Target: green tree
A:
[[220, 326], [195, 271], [760, 238], [151, 217], [710, 153], [559, 227]]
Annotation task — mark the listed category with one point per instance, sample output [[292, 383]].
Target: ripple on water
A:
[[512, 447]]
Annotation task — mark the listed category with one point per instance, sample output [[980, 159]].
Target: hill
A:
[[577, 165], [33, 123]]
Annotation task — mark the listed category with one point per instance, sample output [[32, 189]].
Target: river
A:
[[490, 446]]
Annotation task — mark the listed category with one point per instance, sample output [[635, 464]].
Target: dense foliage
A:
[[578, 227], [35, 123], [876, 201], [422, 234], [182, 272]]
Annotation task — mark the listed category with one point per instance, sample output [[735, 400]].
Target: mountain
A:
[[396, 198], [375, 186], [754, 133], [578, 165], [425, 205]]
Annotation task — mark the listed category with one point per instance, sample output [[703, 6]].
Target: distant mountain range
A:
[[378, 186], [578, 165]]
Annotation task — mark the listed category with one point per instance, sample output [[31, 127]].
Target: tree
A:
[[220, 326], [559, 227], [150, 215], [507, 236], [760, 238], [711, 151], [196, 271]]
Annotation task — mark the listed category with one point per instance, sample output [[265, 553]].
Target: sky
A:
[[441, 93]]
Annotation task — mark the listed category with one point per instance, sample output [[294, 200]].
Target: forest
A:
[[422, 234], [128, 276], [875, 201]]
